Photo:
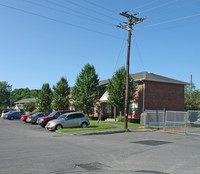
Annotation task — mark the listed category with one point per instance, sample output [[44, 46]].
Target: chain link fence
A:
[[172, 121]]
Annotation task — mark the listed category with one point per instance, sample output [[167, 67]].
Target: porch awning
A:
[[104, 97]]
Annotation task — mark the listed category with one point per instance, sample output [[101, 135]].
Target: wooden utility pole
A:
[[132, 21]]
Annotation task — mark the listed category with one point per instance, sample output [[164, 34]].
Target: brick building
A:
[[154, 92]]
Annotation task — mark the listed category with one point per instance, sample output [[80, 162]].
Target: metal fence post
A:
[[145, 117], [186, 123], [164, 114]]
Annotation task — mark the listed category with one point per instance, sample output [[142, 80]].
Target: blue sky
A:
[[44, 40]]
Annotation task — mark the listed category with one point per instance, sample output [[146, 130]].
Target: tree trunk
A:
[[115, 113]]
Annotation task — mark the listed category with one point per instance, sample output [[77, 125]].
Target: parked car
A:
[[33, 118], [24, 117], [54, 115], [13, 115], [72, 119], [4, 111]]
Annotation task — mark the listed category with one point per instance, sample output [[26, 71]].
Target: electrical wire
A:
[[92, 17], [59, 21], [139, 53], [61, 11], [173, 20], [143, 5], [94, 4], [120, 52], [162, 5], [183, 5], [89, 9]]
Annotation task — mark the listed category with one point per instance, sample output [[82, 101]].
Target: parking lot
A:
[[26, 148]]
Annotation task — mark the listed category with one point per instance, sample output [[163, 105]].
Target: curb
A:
[[93, 133], [103, 133]]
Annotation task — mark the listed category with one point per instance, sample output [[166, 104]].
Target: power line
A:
[[121, 51], [89, 9], [173, 20], [97, 19], [162, 5], [139, 53], [94, 4], [61, 11], [59, 21], [185, 4], [143, 5]]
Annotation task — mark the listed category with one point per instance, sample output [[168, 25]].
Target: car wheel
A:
[[84, 125], [12, 118], [58, 127]]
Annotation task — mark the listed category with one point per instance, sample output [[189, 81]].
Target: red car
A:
[[24, 117], [54, 115]]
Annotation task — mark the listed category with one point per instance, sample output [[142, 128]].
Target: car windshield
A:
[[35, 114], [52, 114], [61, 117]]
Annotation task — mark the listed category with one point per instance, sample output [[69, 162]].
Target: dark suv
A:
[[54, 115]]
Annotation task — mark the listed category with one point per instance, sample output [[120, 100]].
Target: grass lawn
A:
[[122, 123], [92, 126]]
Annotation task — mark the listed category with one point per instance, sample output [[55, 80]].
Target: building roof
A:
[[26, 100], [147, 76], [103, 83]]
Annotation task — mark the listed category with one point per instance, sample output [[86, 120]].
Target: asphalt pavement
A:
[[30, 149]]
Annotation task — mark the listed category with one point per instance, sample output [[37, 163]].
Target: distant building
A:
[[18, 105], [154, 92]]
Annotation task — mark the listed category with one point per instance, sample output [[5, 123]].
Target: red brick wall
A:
[[164, 95]]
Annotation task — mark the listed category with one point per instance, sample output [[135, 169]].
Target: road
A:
[[30, 149]]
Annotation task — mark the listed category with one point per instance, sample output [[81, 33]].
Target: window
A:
[[95, 108], [108, 108], [136, 85], [78, 115], [70, 117], [133, 107], [58, 114]]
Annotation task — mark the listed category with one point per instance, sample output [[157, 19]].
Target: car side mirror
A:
[[66, 118]]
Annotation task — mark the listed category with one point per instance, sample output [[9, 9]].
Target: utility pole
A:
[[132, 21], [190, 91], [10, 89]]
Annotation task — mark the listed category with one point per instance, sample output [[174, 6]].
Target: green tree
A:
[[30, 106], [45, 98], [193, 102], [4, 95], [85, 91], [18, 94], [116, 89], [34, 93], [61, 95]]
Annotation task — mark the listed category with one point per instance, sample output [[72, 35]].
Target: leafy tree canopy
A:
[[18, 94], [192, 103], [30, 106], [4, 95], [85, 91], [116, 89], [45, 98], [61, 95]]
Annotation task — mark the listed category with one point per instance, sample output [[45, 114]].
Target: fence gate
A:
[[173, 121]]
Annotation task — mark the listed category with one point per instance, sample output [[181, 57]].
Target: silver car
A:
[[72, 119]]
